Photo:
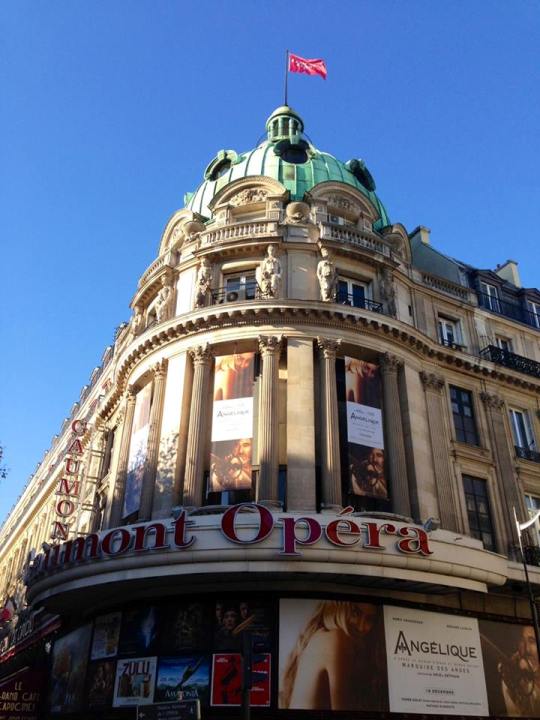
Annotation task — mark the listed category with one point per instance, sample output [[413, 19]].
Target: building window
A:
[[521, 429], [490, 298], [478, 512], [450, 332], [240, 286], [504, 343], [534, 310], [533, 506], [353, 292], [462, 410]]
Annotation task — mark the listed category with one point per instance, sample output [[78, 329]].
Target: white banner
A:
[[364, 425], [434, 662], [232, 419]]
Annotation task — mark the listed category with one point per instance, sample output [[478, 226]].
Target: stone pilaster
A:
[[93, 473], [507, 480], [330, 461], [150, 465], [193, 479], [448, 506], [268, 487], [115, 516], [395, 459]]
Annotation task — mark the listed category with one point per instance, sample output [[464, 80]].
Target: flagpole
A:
[[286, 73], [532, 602]]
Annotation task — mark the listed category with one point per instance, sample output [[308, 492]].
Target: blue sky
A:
[[111, 110]]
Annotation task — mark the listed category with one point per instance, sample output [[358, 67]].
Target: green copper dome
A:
[[285, 156]]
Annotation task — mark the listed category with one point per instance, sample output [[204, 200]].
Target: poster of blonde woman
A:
[[331, 656], [365, 439], [232, 423]]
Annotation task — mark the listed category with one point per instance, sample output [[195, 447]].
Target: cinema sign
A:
[[345, 531]]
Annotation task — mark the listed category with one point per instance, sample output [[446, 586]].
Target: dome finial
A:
[[284, 124]]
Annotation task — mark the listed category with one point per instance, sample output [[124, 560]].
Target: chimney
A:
[[509, 271], [421, 233]]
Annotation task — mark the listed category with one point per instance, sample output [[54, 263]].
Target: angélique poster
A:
[[137, 451], [106, 636], [232, 423], [365, 438], [68, 674], [101, 683], [435, 663], [135, 680], [183, 678]]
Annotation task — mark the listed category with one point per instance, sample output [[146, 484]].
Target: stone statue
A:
[[388, 291], [137, 321], [269, 274], [328, 276], [164, 299], [203, 283]]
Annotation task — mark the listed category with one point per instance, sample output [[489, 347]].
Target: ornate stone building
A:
[[373, 405]]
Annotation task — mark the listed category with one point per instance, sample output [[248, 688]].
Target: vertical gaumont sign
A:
[[138, 448], [295, 533], [365, 441], [69, 485], [232, 423]]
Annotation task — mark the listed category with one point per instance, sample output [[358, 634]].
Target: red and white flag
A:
[[299, 64]]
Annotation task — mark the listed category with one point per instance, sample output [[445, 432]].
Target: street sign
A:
[[180, 710]]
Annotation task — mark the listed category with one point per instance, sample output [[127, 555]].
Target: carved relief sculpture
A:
[[137, 321], [248, 196], [269, 274], [297, 213], [203, 283], [328, 276], [388, 291], [164, 300]]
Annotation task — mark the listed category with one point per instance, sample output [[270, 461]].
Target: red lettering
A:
[[74, 550], [75, 448], [342, 527], [291, 539], [160, 537], [266, 523], [72, 466], [78, 427], [65, 488], [65, 508], [180, 526], [109, 541], [417, 541]]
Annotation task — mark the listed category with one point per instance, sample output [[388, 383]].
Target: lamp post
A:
[[534, 610]]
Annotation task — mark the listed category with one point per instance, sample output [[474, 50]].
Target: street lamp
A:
[[534, 610]]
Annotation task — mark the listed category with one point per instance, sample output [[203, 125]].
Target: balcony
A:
[[527, 454], [511, 360], [451, 344], [357, 301], [508, 309]]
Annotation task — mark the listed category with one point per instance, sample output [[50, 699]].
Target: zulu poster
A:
[[137, 451], [331, 656], [183, 678], [135, 680], [512, 670], [434, 663], [365, 439], [232, 423]]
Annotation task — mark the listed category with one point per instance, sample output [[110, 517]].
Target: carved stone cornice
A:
[[269, 344], [328, 347], [431, 381], [390, 363], [492, 401], [201, 354]]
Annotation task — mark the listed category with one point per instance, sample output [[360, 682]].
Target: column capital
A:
[[201, 354], [390, 363], [328, 347], [492, 401], [431, 381], [160, 368], [131, 393], [269, 344]]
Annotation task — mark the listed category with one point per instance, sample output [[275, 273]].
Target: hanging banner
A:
[[365, 440], [434, 663], [232, 423], [137, 451]]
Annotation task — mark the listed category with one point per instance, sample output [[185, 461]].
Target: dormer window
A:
[[490, 297], [220, 169]]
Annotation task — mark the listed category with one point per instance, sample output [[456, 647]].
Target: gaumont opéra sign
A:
[[344, 531]]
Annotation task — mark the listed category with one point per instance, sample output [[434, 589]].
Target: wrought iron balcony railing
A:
[[532, 555], [511, 360], [527, 453], [508, 309], [451, 344], [249, 291], [344, 298]]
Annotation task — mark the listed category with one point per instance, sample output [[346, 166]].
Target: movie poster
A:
[[226, 679], [137, 450], [365, 438], [511, 667], [183, 678], [106, 636], [185, 628], [232, 423], [139, 635], [135, 678], [231, 615], [68, 674], [101, 683], [331, 656], [434, 662]]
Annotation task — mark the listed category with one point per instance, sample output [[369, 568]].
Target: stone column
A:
[[152, 449], [268, 487], [301, 485], [448, 505], [193, 478], [115, 516], [510, 491], [395, 460], [331, 495]]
